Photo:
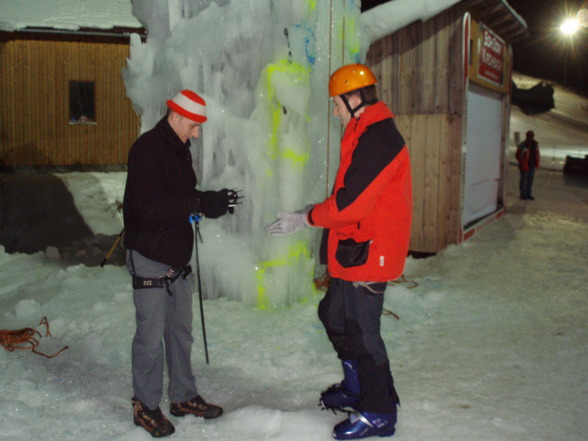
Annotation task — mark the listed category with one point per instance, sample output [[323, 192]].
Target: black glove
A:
[[213, 204], [234, 199]]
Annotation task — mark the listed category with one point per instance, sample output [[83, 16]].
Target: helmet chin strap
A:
[[363, 102]]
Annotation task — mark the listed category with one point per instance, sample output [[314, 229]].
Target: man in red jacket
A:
[[528, 157], [366, 223]]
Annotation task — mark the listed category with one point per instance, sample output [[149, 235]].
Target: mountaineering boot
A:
[[153, 421], [196, 406], [344, 394], [365, 424]]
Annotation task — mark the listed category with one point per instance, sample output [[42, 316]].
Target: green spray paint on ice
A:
[[296, 74], [297, 252], [288, 145], [299, 75]]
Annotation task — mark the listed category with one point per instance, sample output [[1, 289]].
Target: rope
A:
[[322, 283], [388, 312], [403, 280], [26, 339]]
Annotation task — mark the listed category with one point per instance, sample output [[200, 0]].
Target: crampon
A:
[[329, 401], [27, 339], [335, 410]]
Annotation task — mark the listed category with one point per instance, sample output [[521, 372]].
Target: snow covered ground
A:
[[491, 345]]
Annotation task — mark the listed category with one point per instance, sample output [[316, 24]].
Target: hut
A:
[[448, 80], [62, 98]]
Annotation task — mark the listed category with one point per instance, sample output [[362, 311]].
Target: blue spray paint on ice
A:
[[309, 43]]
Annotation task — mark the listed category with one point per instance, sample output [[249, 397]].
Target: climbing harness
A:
[[173, 273], [26, 338], [160, 282], [367, 286], [322, 284]]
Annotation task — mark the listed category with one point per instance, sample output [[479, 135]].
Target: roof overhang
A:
[[499, 16], [116, 32], [393, 15]]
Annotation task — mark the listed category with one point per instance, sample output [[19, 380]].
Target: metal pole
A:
[[196, 234]]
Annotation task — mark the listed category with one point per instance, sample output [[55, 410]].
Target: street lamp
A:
[[570, 26]]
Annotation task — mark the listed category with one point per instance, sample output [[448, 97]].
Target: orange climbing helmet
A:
[[350, 77]]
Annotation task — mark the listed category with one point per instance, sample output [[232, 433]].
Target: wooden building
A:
[[448, 82], [62, 98]]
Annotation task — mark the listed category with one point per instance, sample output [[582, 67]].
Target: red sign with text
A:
[[491, 62]]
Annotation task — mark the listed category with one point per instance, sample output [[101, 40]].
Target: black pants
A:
[[351, 316], [526, 183]]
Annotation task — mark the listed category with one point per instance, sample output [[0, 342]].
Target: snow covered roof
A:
[[66, 14], [394, 15], [501, 17]]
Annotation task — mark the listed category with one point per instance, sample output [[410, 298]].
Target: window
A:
[[81, 102]]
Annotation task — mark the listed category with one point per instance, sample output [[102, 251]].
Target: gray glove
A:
[[288, 222]]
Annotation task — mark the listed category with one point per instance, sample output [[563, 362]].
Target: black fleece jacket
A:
[[160, 194]]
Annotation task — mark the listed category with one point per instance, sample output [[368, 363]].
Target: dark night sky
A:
[[545, 53]]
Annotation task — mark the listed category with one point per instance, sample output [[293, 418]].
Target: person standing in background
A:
[[528, 158]]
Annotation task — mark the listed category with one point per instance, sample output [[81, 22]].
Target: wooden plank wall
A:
[[420, 75], [35, 70]]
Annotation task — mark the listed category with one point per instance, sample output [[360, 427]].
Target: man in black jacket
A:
[[160, 195]]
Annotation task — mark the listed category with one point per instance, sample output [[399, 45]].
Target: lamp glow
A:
[[570, 26], [582, 16]]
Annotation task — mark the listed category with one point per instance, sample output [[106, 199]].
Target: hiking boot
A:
[[153, 421], [196, 406]]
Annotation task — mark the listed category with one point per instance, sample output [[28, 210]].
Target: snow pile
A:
[[99, 196]]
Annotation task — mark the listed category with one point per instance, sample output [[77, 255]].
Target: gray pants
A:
[[161, 318]]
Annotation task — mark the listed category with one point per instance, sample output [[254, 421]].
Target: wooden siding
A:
[[420, 75], [417, 69], [434, 184], [35, 71]]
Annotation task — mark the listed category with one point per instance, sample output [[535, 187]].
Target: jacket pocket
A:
[[351, 253]]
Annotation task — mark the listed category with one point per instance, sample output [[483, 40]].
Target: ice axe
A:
[[234, 199], [118, 238], [196, 219]]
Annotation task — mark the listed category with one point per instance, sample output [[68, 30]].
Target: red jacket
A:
[[369, 213], [526, 149]]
